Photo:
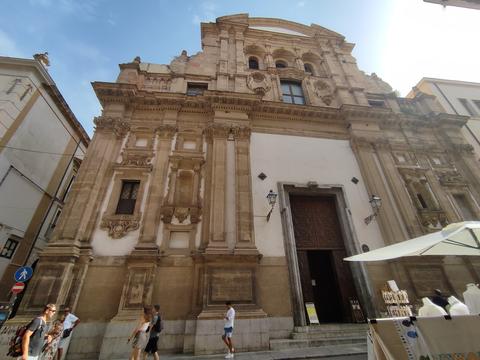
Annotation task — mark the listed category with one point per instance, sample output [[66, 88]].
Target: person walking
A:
[[50, 348], [154, 331], [34, 337], [228, 329], [139, 335], [70, 321]]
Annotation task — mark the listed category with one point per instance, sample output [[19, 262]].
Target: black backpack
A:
[[158, 326]]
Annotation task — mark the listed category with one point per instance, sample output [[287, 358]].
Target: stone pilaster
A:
[[158, 180], [245, 241], [217, 142]]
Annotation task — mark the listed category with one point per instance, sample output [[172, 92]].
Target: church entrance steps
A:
[[324, 336]]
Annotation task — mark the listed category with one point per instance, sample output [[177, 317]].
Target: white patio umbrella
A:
[[455, 239]]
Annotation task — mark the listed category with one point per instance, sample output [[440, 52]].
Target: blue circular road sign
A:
[[23, 274]]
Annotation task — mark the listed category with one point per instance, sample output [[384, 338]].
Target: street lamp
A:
[[272, 199], [376, 202]]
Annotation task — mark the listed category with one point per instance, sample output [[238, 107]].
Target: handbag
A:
[[66, 333]]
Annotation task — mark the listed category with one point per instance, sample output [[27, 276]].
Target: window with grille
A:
[[292, 92], [252, 63], [280, 64], [128, 197], [9, 248], [194, 89]]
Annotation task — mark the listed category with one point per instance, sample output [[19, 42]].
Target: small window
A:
[[252, 63], [128, 197], [292, 93], [308, 68], [376, 103], [9, 248], [471, 111], [422, 201], [280, 64], [194, 89]]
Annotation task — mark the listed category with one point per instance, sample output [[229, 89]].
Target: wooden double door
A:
[[326, 279]]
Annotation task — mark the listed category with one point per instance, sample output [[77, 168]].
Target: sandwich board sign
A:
[[311, 313]]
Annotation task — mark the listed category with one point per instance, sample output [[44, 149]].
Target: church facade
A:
[[170, 204]]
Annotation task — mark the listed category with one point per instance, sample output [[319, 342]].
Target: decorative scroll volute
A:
[[119, 225], [115, 124]]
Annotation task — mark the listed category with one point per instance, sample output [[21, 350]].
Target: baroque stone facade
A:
[[169, 206]]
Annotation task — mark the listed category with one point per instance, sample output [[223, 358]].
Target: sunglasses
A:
[[52, 310]]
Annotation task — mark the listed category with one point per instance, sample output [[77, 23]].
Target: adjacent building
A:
[[458, 98], [41, 147], [170, 204]]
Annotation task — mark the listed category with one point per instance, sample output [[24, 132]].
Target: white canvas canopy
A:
[[455, 239]]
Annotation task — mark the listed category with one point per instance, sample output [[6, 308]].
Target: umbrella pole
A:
[[475, 238]]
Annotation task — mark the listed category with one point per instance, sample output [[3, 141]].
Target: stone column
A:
[[217, 137], [148, 234], [245, 242]]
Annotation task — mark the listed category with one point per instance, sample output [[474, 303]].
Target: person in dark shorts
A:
[[155, 329], [34, 337]]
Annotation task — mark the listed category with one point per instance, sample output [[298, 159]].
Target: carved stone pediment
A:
[[258, 83], [137, 159], [291, 73], [119, 225]]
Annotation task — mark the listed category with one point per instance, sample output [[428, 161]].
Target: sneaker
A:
[[229, 356]]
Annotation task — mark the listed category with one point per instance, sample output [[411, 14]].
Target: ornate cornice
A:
[[114, 92]]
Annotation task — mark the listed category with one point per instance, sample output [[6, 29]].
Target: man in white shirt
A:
[[228, 329], [69, 323]]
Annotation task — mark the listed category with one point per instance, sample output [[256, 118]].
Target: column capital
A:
[[117, 125]]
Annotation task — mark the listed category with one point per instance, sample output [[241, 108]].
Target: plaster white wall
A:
[[300, 159]]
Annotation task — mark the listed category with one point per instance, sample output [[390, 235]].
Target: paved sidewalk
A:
[[337, 352]]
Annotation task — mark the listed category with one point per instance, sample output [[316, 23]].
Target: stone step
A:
[[285, 344], [328, 334], [327, 327]]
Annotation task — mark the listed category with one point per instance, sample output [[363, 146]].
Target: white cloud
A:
[[8, 46], [426, 40]]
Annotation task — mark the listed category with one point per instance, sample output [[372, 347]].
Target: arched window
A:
[[252, 62], [280, 64], [308, 69]]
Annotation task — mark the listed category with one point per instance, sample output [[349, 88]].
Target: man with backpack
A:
[[34, 336], [156, 327]]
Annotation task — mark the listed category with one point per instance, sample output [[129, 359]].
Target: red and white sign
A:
[[18, 288]]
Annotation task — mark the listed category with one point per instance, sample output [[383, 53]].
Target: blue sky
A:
[[400, 40]]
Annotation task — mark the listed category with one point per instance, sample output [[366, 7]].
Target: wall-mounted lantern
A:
[[376, 203], [272, 200]]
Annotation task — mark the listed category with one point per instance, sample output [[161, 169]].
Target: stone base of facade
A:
[[108, 341]]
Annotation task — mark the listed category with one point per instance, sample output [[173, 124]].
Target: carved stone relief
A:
[[258, 83], [323, 91], [116, 124], [118, 225]]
